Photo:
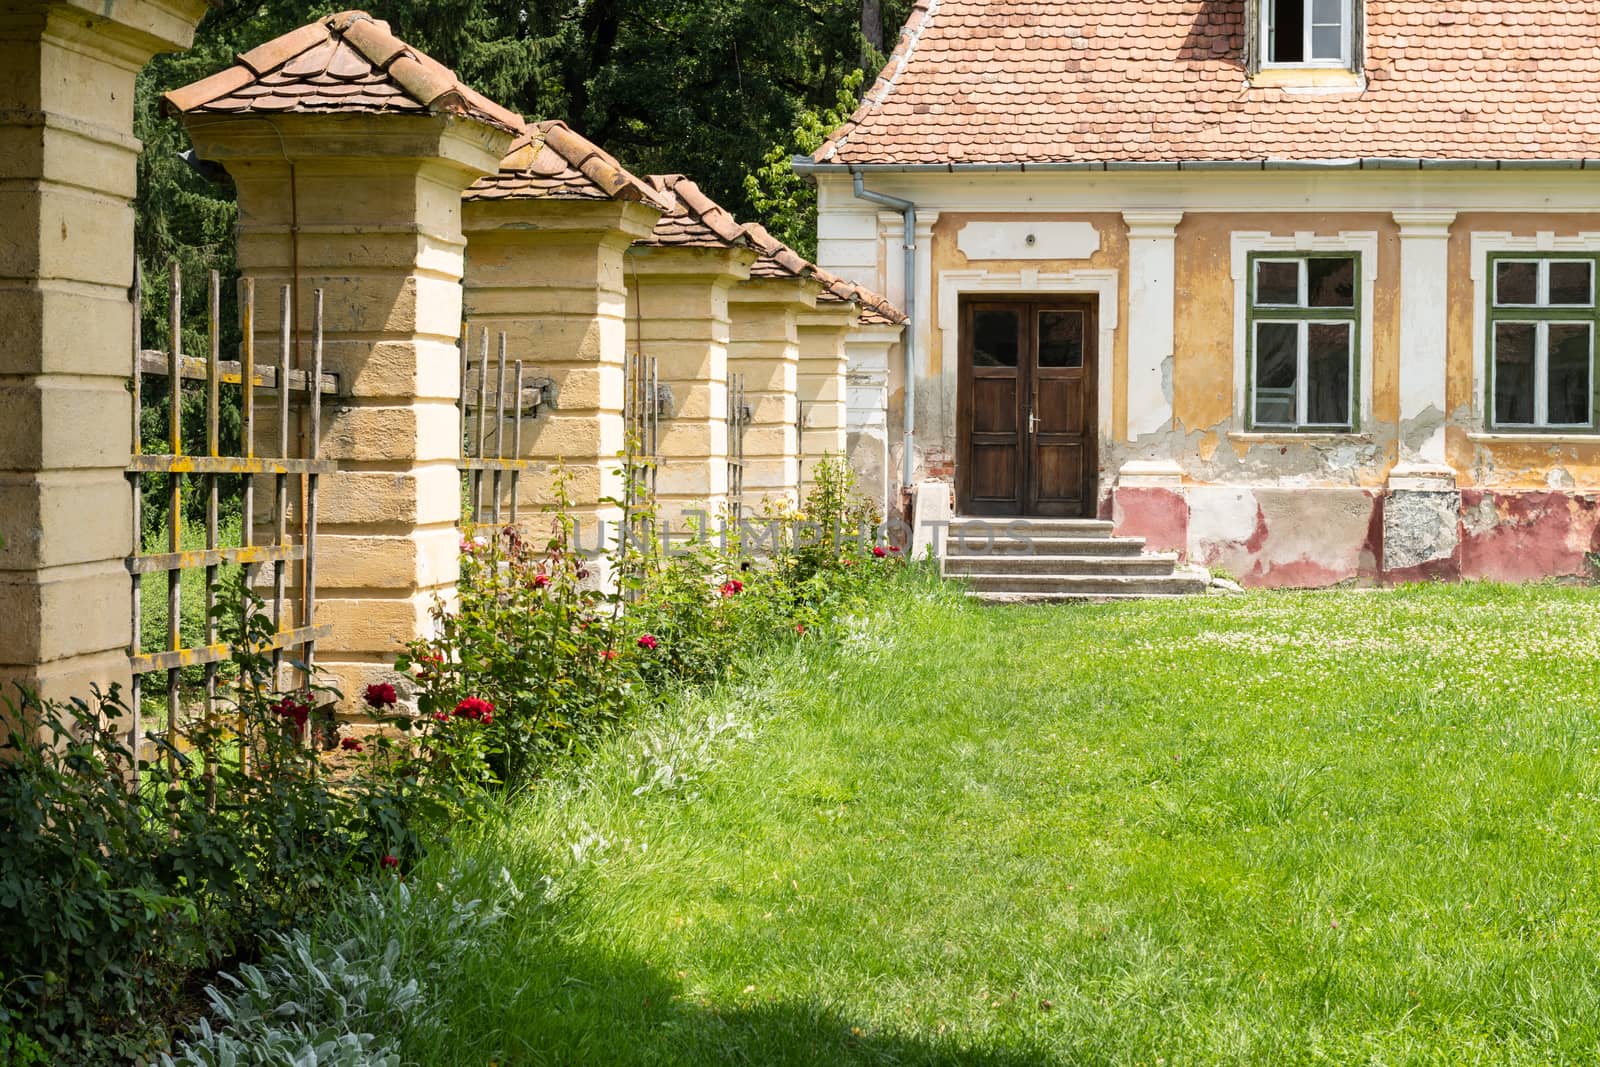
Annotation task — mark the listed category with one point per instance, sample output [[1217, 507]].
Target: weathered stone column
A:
[[823, 364], [547, 235], [364, 204], [678, 284], [67, 175], [765, 348], [867, 356], [1422, 511]]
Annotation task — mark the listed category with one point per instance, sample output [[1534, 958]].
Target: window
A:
[[1303, 327], [1542, 320], [1307, 33]]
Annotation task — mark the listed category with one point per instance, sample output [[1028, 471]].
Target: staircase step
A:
[[1154, 563], [978, 548], [1067, 586], [1069, 598], [982, 528]]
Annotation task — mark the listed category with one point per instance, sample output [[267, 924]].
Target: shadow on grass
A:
[[624, 1013]]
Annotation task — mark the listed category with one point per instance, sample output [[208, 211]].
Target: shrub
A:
[[111, 894]]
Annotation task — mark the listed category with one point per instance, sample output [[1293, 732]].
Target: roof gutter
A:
[[908, 212], [807, 166]]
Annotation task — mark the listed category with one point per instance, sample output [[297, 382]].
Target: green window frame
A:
[[1303, 342], [1543, 321]]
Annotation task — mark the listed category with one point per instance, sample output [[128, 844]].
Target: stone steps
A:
[[1059, 560]]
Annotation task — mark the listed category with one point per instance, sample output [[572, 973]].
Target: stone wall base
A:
[[1313, 537]]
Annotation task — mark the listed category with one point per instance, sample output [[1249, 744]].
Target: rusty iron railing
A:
[[484, 416], [739, 419], [305, 390], [643, 402]]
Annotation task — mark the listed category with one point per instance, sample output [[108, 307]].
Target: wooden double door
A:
[[1026, 408]]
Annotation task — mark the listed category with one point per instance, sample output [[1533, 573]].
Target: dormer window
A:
[[1308, 33]]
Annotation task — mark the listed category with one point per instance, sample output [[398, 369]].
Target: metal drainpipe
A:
[[908, 211]]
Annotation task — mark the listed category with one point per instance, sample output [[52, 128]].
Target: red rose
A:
[[430, 666], [648, 641], [800, 628], [541, 580], [732, 587], [350, 744], [380, 695], [390, 862], [477, 709], [440, 716], [608, 654], [894, 548], [290, 708], [879, 551]]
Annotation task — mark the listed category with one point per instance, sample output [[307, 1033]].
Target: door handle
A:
[[1033, 422]]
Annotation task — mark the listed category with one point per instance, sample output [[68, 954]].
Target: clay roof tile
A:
[[315, 67]]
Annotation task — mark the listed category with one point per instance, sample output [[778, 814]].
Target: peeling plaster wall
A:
[[1274, 509]]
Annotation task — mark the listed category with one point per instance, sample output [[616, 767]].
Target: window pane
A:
[[1277, 367], [1331, 283], [1324, 12], [1287, 43], [994, 338], [1328, 374], [1569, 284], [1327, 42], [1060, 338], [1513, 373], [1278, 282], [1516, 282], [1569, 368], [1274, 410]]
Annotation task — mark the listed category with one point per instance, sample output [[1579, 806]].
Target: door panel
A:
[[1026, 408], [995, 374]]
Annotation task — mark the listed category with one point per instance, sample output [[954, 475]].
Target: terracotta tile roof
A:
[[348, 62], [1005, 81], [695, 221], [875, 308], [778, 260], [551, 161]]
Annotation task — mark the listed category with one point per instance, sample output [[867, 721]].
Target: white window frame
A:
[[1346, 40], [1363, 244], [1483, 244]]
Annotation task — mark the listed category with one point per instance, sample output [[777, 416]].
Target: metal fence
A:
[[298, 394], [739, 419], [485, 411], [642, 406]]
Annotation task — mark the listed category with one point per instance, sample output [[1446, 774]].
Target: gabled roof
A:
[[348, 62], [778, 260], [1131, 81], [552, 161], [695, 221]]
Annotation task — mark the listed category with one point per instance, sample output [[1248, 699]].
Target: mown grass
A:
[[1296, 828]]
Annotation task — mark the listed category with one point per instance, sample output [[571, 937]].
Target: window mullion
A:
[[1541, 374], [1301, 375]]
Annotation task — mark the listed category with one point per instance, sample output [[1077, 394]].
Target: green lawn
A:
[[1294, 828]]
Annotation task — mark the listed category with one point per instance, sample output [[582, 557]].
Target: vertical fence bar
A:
[[653, 409], [174, 504], [247, 442], [463, 392], [483, 422], [214, 449], [308, 599], [516, 442], [136, 683], [280, 508], [499, 423]]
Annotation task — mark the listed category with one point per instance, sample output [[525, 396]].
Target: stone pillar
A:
[[867, 358], [765, 348], [678, 314], [549, 274], [67, 176], [821, 383], [1424, 322], [1422, 511], [1151, 292], [376, 202]]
